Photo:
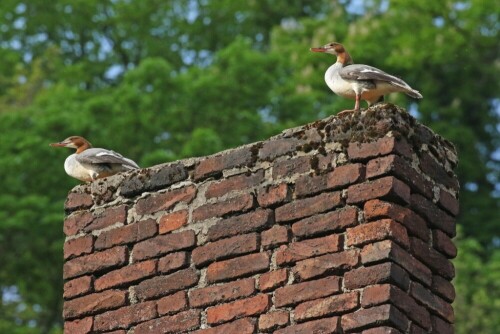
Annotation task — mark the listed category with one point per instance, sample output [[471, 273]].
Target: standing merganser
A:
[[360, 82], [89, 164]]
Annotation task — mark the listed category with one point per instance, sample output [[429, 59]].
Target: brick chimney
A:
[[343, 225]]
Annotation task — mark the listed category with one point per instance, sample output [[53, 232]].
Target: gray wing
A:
[[365, 72], [102, 156]]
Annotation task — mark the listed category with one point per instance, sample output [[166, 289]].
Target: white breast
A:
[[77, 170], [338, 85]]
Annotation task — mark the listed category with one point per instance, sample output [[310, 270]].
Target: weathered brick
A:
[[173, 303], [273, 320], [375, 231], [94, 303], [387, 187], [273, 194], [127, 234], [378, 315], [241, 326], [289, 167], [386, 293], [225, 248], [308, 248], [76, 222], [443, 288], [238, 267], [376, 209], [320, 265], [434, 216], [79, 326], [275, 236], [440, 326], [163, 285], [437, 172], [78, 201], [323, 326], [242, 202], [163, 244], [381, 330], [95, 262], [296, 293], [236, 182], [381, 273], [308, 206], [339, 178], [110, 216], [324, 307], [245, 223], [129, 274], [237, 309], [172, 262], [431, 301], [215, 164], [382, 146], [336, 220], [78, 246], [77, 287], [221, 293], [449, 202], [276, 147], [125, 317], [172, 221], [273, 279], [388, 250], [432, 258], [443, 243], [164, 201], [415, 329], [178, 323]]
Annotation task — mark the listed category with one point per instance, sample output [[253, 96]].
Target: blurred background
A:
[[162, 80]]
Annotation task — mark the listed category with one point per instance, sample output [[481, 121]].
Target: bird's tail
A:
[[413, 93]]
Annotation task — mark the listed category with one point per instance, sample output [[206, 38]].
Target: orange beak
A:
[[320, 49], [60, 144]]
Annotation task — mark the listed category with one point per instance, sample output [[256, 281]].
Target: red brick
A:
[[440, 326], [242, 202], [236, 182], [321, 308], [437, 172], [76, 222], [381, 273], [381, 330], [163, 285], [165, 201], [376, 209], [110, 216], [296, 293], [382, 146], [273, 279], [378, 315], [163, 244], [247, 222], [95, 262], [320, 265], [329, 222], [94, 303], [272, 195], [375, 231], [386, 293], [77, 287], [225, 248], [127, 234], [308, 248], [443, 288], [78, 246], [215, 164], [387, 187], [433, 302], [79, 326], [323, 326], [273, 320], [129, 274], [173, 303], [78, 201], [308, 206], [434, 216], [339, 178], [178, 323], [241, 326], [173, 221], [125, 317], [388, 250], [415, 329], [238, 267], [119, 331], [172, 262], [449, 202], [433, 259], [215, 294], [276, 147], [443, 243], [275, 236], [289, 167], [237, 309]]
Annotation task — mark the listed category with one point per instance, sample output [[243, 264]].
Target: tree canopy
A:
[[163, 80]]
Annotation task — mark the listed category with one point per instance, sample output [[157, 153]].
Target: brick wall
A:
[[343, 225]]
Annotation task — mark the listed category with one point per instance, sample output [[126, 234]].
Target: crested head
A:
[[335, 49], [76, 142]]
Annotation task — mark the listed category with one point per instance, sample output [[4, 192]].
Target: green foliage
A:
[[163, 80]]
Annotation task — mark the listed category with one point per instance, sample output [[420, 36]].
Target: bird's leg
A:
[[356, 107]]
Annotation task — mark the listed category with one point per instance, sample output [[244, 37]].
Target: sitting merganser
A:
[[360, 82], [89, 164]]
